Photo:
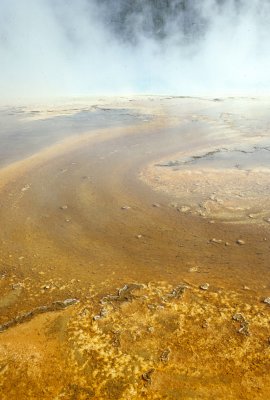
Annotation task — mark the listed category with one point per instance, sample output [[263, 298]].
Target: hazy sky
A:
[[89, 47]]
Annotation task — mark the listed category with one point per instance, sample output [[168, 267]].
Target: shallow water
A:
[[245, 158], [24, 131]]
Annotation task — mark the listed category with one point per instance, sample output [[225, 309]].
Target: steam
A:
[[93, 47]]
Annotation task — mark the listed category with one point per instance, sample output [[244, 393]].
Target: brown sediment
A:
[[160, 300]]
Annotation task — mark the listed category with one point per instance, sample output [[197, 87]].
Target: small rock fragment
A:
[[238, 317], [240, 242], [156, 205], [64, 207], [267, 300], [164, 357], [147, 376], [214, 240], [66, 303], [103, 312], [178, 291], [205, 286], [124, 294], [244, 326], [25, 188], [244, 329], [125, 208]]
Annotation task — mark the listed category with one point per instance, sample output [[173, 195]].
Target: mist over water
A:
[[89, 47]]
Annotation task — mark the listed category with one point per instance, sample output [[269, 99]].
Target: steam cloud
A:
[[89, 47]]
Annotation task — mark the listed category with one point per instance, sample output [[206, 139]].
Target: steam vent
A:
[[134, 200]]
